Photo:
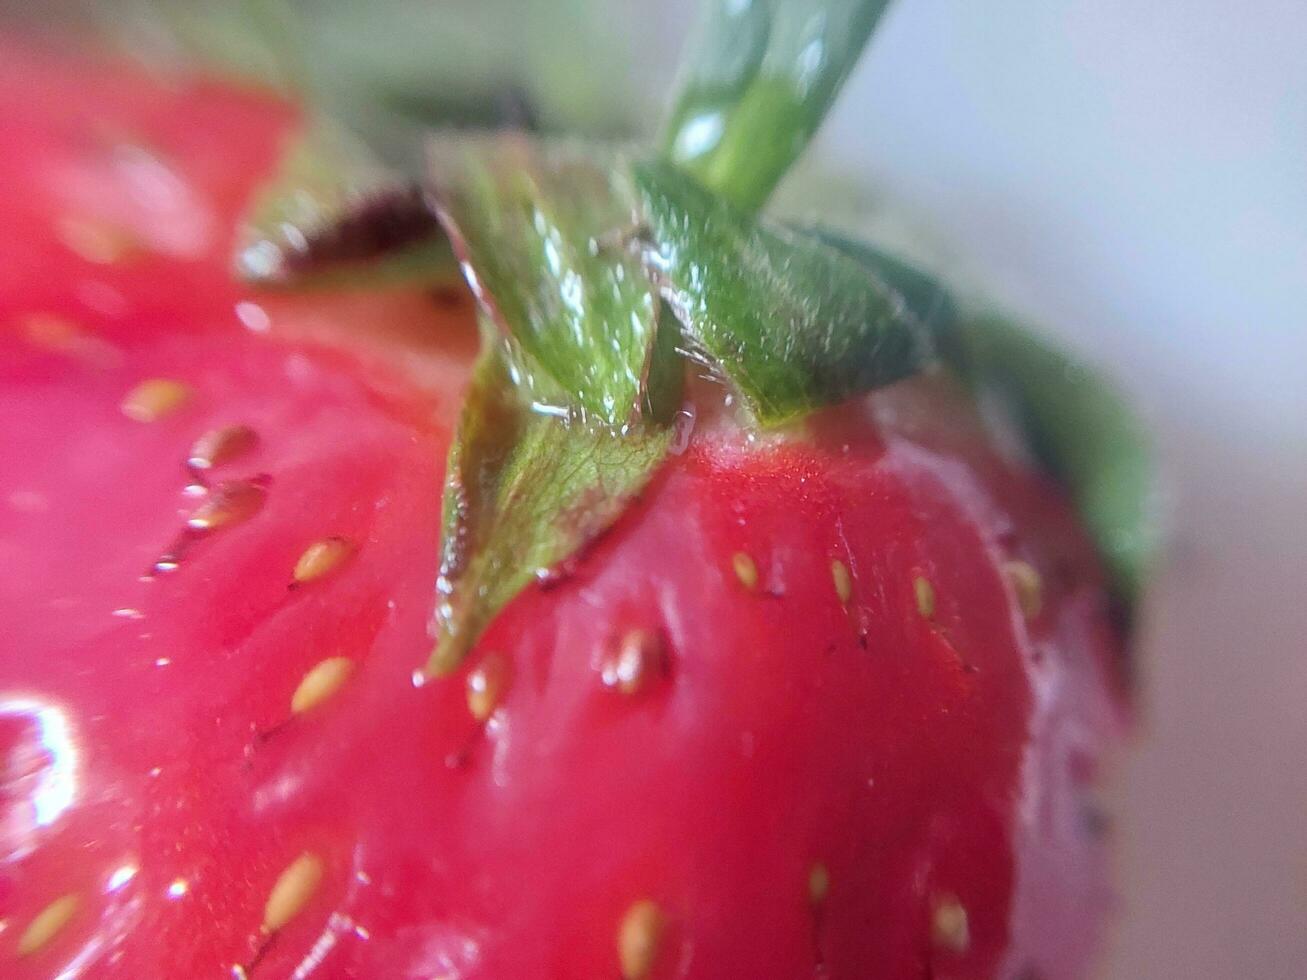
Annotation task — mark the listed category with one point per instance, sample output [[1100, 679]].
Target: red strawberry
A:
[[827, 704]]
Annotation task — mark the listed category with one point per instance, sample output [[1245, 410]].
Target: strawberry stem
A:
[[757, 84]]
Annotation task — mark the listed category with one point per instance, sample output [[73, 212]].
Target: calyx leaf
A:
[[1083, 431], [524, 492], [537, 226], [756, 86], [793, 323], [1074, 420]]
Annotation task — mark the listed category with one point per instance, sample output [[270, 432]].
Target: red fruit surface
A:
[[802, 784]]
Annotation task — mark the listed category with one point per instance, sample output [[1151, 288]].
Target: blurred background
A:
[[1130, 174]]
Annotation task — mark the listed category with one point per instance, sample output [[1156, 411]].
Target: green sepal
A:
[[538, 227], [791, 322], [525, 491], [1083, 431], [1074, 421], [925, 297], [334, 215], [757, 84]]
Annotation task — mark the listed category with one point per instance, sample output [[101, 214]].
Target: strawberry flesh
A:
[[804, 784]]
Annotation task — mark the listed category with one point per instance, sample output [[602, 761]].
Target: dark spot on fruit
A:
[[378, 225], [1096, 820], [448, 297]]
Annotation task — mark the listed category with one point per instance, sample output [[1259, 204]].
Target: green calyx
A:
[[602, 271], [596, 276], [1072, 418], [791, 322], [525, 491]]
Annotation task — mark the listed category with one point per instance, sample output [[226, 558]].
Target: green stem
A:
[[758, 82]]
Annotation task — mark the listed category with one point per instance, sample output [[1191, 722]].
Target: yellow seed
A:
[[640, 657], [486, 685], [638, 939], [322, 557], [320, 683], [745, 570], [292, 891], [949, 929], [231, 503], [1027, 585], [63, 336], [839, 573], [99, 241], [219, 446], [151, 400], [818, 884], [50, 331], [47, 923], [925, 593]]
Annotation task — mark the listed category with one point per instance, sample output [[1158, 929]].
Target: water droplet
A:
[[682, 429], [121, 876]]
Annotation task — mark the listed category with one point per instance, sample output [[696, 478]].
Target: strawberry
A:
[[796, 675]]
